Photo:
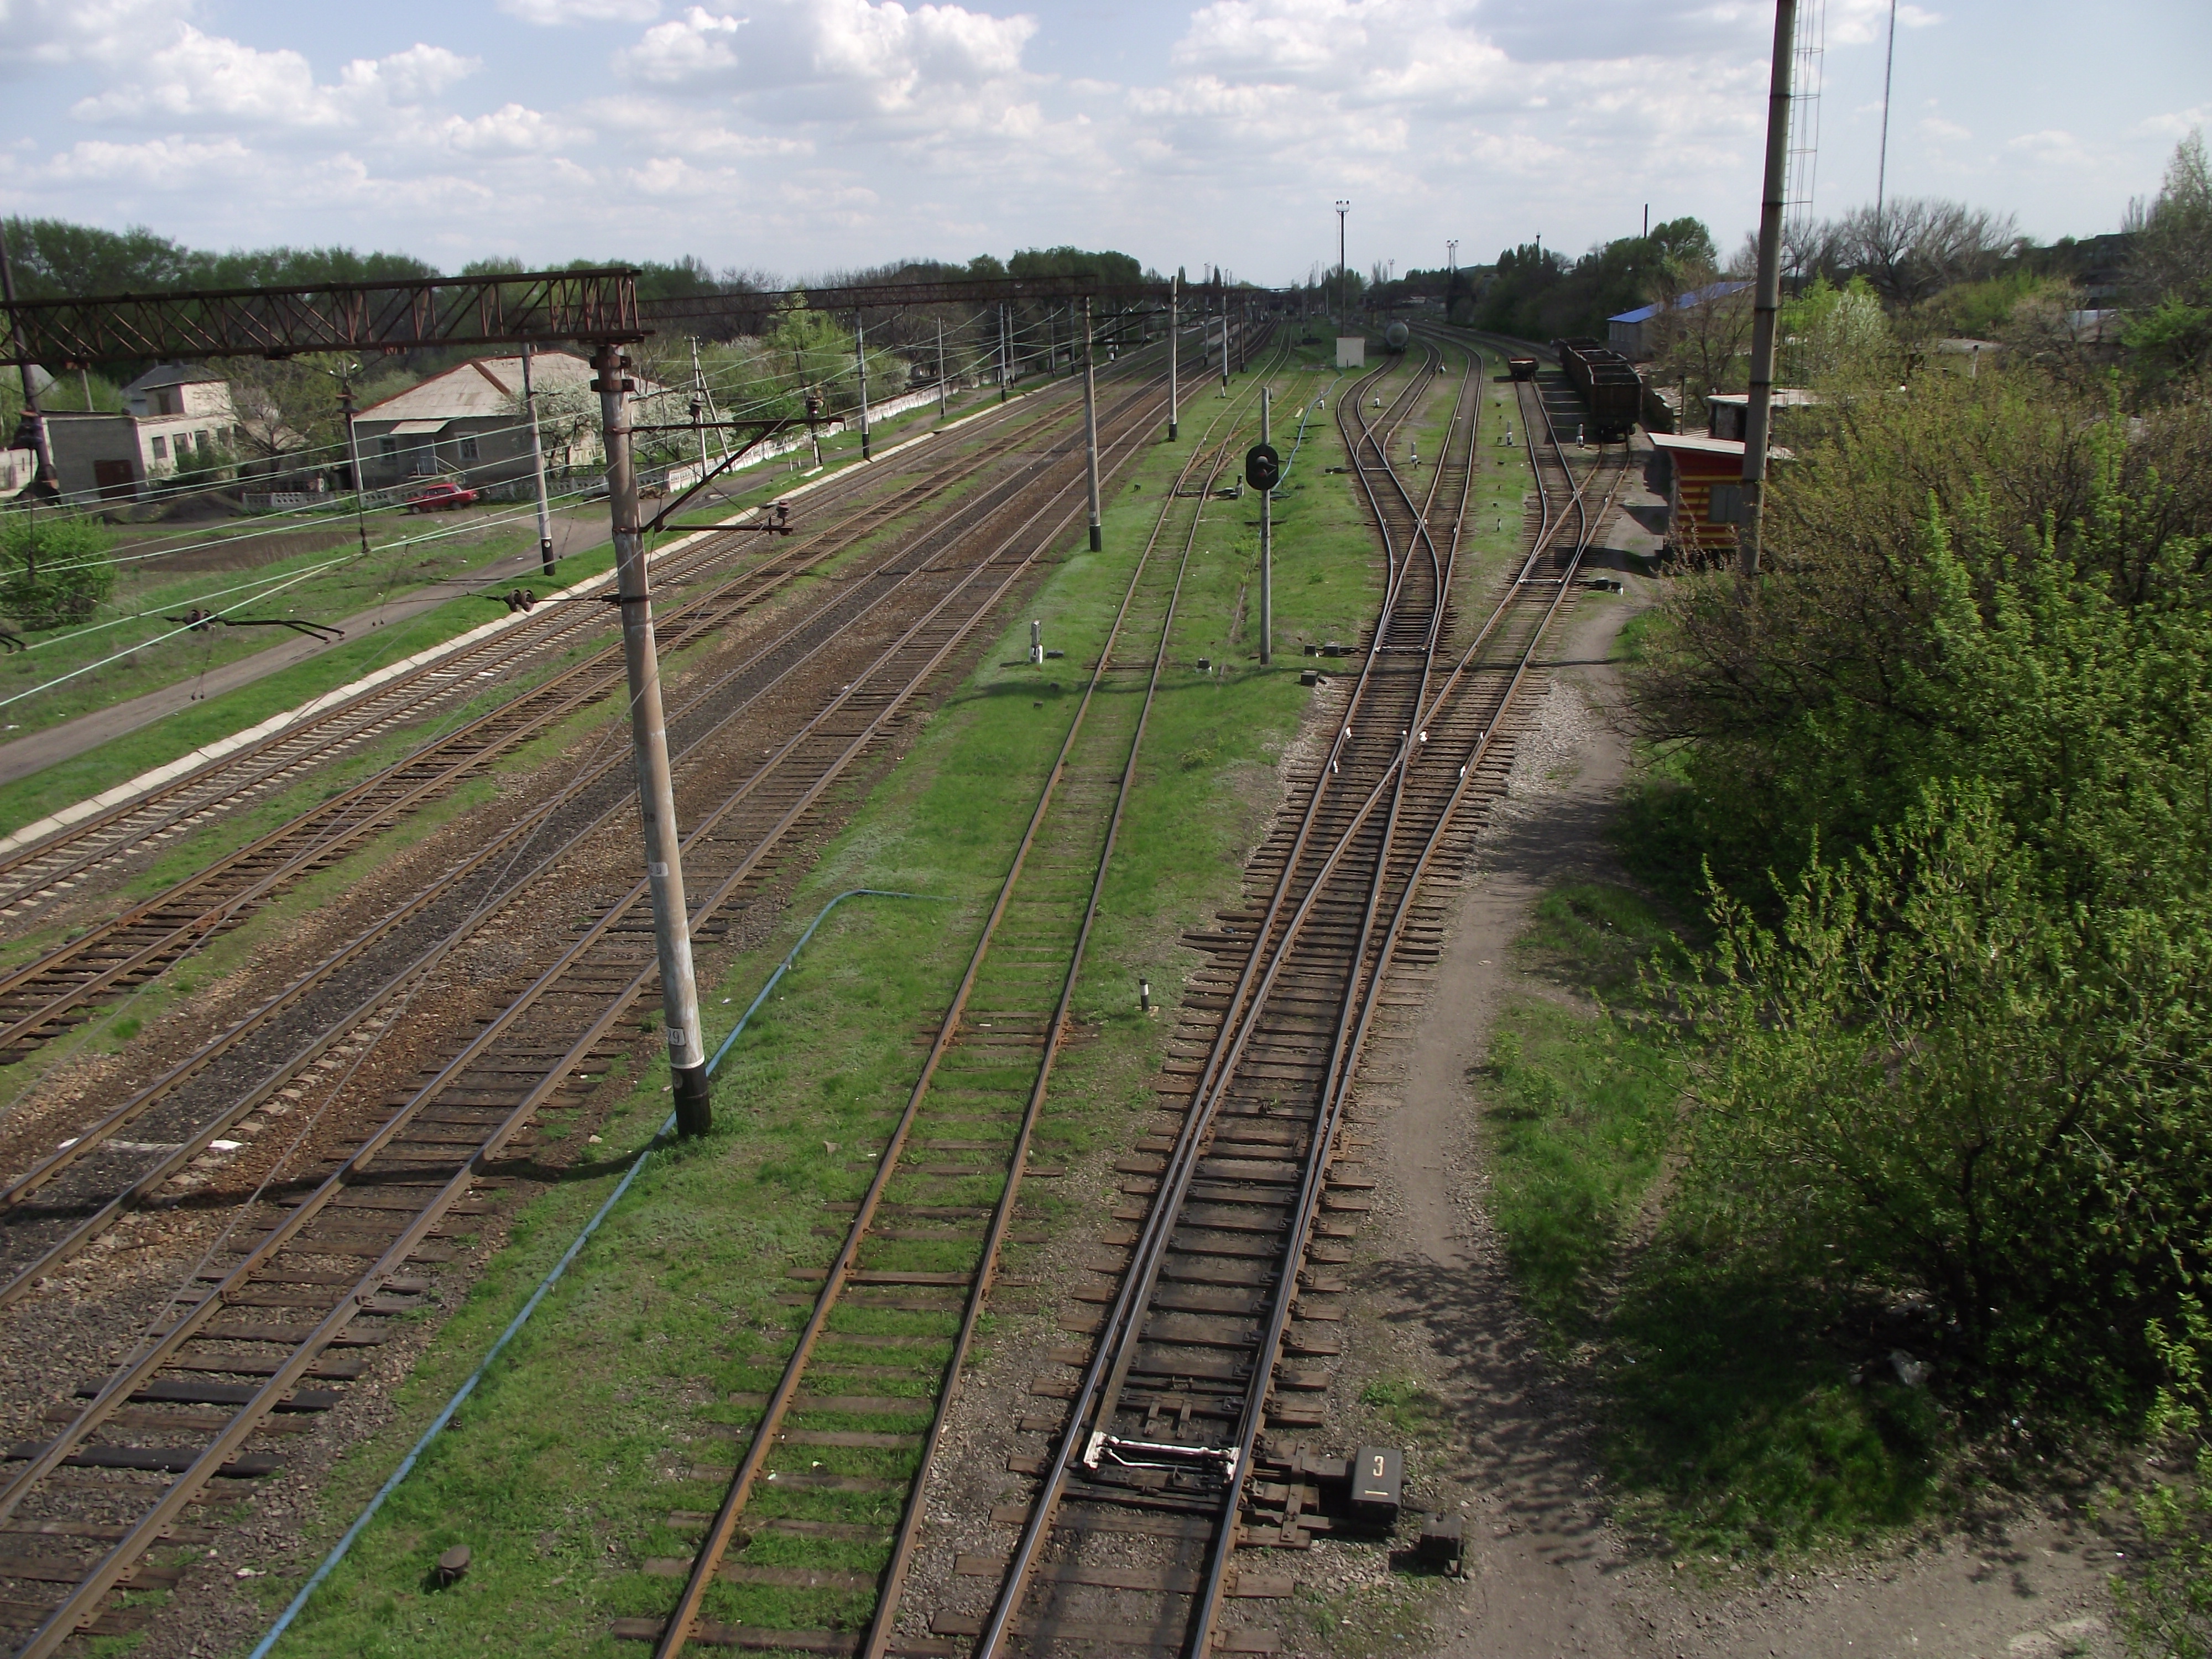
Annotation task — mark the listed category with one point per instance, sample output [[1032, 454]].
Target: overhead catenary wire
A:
[[291, 580]]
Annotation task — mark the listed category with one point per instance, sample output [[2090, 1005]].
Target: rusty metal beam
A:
[[590, 306], [875, 296]]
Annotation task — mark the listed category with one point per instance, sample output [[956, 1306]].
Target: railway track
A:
[[1218, 1309], [263, 1328], [33, 877], [925, 1238], [272, 1057], [44, 997]]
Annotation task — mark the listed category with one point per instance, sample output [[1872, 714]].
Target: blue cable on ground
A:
[[1305, 415], [338, 1550]]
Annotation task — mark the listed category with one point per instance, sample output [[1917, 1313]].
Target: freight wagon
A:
[[1608, 383]]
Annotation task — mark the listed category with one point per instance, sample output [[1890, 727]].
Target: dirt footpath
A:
[[1547, 1573]]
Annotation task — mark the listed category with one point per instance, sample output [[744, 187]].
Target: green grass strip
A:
[[445, 1418]]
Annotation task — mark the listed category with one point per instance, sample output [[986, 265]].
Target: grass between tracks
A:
[[327, 598], [1732, 1426], [118, 1024], [567, 1465]]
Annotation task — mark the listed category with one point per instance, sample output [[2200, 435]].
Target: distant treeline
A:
[[53, 258]]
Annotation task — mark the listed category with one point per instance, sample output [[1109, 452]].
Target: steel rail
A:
[[82, 1603], [89, 1139], [904, 1542], [1116, 1343], [1352, 1037], [1247, 1016], [1261, 1374], [177, 1159], [540, 634], [707, 1562], [78, 990]]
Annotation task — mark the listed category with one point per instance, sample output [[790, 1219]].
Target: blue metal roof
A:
[[1682, 301]]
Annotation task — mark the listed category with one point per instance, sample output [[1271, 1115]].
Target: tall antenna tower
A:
[[1811, 49]]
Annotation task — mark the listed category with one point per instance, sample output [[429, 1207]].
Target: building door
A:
[[114, 480]]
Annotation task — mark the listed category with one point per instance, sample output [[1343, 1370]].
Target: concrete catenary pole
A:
[[1174, 283], [940, 369], [861, 361], [1767, 301], [1267, 547], [656, 793], [1220, 277], [1091, 431], [45, 481], [346, 412], [537, 467], [1002, 354]]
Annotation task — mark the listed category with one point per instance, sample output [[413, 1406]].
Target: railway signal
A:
[[1263, 466]]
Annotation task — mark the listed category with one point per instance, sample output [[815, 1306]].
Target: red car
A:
[[437, 497]]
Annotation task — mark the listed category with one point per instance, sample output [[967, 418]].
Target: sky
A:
[[801, 137]]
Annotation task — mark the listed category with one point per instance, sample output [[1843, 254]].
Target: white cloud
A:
[[810, 133], [827, 59], [411, 76], [160, 162], [202, 75], [1866, 22], [2176, 125], [556, 13], [207, 79], [49, 33], [692, 48], [510, 129]]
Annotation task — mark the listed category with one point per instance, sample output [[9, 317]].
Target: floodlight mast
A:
[[1343, 276]]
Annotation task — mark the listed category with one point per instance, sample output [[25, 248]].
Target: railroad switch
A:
[[1364, 1491]]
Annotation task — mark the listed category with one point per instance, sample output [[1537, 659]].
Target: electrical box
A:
[[1442, 1544], [1378, 1481]]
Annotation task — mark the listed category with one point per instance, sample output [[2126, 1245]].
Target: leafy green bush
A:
[[2165, 1604], [1932, 1079], [1949, 767], [54, 570]]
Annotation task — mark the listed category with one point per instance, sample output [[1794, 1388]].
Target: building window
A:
[[183, 445], [161, 449], [468, 450], [1726, 506], [387, 447]]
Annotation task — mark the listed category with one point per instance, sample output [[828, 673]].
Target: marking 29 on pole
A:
[[1263, 467]]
